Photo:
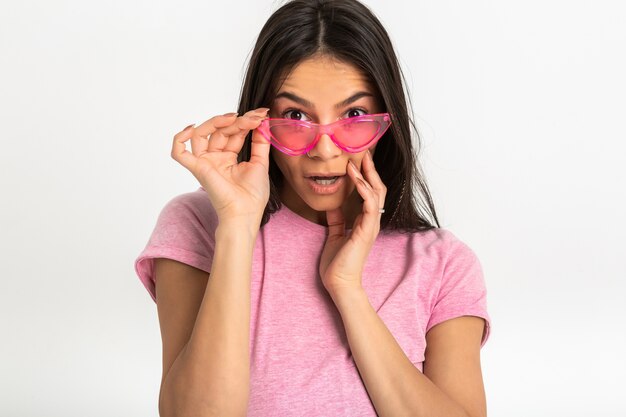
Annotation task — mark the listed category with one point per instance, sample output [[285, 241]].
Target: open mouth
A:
[[324, 180]]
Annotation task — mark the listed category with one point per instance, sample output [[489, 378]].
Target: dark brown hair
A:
[[348, 31]]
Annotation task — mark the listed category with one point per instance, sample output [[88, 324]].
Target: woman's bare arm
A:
[[209, 375], [451, 384]]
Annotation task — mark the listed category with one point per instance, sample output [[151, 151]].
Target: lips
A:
[[325, 175], [324, 178], [326, 188]]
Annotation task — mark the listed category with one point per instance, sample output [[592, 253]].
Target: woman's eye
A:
[[293, 115], [355, 112]]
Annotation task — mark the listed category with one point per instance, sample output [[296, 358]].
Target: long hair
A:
[[348, 31]]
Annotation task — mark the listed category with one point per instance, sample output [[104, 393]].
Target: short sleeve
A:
[[185, 232], [462, 291]]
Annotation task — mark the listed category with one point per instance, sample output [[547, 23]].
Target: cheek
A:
[[285, 163], [359, 161], [278, 159]]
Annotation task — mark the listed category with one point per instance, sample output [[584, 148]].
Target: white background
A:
[[521, 105]]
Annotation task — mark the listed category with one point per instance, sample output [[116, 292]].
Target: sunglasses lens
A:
[[354, 134], [293, 137], [358, 133]]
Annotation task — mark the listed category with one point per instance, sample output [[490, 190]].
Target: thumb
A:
[[336, 223], [260, 149]]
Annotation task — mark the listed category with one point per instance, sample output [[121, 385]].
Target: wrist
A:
[[236, 232], [345, 297]]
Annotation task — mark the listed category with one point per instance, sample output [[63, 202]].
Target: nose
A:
[[325, 148]]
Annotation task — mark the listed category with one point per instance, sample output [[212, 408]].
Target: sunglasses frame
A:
[[383, 120]]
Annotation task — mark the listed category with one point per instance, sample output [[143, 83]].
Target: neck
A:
[[351, 208]]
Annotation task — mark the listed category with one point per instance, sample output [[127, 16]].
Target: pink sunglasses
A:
[[352, 134]]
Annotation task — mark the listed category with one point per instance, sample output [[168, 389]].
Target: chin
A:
[[318, 202], [323, 203], [327, 203]]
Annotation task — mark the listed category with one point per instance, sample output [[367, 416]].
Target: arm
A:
[[395, 386], [209, 376]]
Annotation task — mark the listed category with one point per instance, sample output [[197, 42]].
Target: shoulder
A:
[[445, 249], [444, 258], [190, 208], [443, 238], [187, 220], [196, 201], [461, 289], [184, 232], [455, 247], [435, 243]]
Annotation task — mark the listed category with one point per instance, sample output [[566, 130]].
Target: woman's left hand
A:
[[343, 257]]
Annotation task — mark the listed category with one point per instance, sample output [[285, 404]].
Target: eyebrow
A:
[[306, 103]]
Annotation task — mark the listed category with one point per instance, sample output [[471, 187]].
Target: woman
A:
[[303, 277]]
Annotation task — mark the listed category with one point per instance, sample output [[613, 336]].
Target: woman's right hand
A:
[[238, 191]]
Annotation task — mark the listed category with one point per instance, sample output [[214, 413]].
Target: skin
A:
[[451, 384], [323, 82], [239, 191]]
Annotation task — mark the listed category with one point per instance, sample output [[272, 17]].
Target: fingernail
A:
[[230, 114], [355, 169], [191, 125]]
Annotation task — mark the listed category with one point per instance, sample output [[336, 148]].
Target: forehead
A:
[[324, 76]]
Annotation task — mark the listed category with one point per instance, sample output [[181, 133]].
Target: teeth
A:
[[325, 182]]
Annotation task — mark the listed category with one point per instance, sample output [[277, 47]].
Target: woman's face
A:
[[322, 90]]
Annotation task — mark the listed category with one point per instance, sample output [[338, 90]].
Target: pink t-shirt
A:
[[300, 361]]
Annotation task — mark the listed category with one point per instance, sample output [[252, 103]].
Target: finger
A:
[[199, 143], [240, 128], [260, 150], [236, 140], [371, 214], [372, 177], [179, 149], [356, 174], [336, 224], [251, 115], [208, 127]]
